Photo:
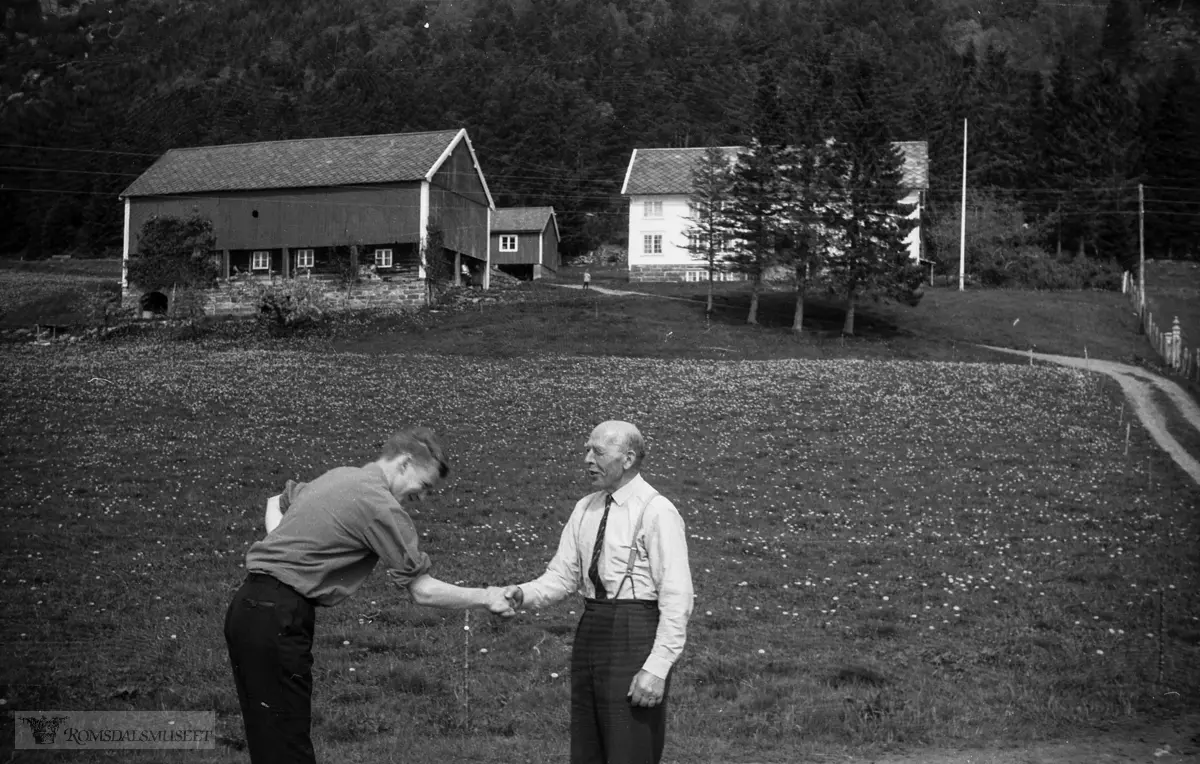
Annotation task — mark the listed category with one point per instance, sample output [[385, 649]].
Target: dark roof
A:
[[669, 171], [307, 163], [521, 219], [666, 171]]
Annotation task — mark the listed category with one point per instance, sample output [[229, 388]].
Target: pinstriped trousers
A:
[[613, 640]]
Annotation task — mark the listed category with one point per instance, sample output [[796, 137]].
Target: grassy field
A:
[[52, 291], [894, 544], [886, 553]]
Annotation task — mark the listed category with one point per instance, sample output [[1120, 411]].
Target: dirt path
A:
[[1138, 384]]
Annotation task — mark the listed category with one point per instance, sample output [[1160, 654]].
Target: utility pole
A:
[[962, 236], [1141, 250]]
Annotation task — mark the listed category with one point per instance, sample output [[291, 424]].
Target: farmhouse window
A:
[[652, 244], [304, 258], [383, 258], [260, 260], [508, 243], [653, 209]]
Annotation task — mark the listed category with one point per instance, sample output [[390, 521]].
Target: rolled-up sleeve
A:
[[389, 532], [669, 567], [291, 490]]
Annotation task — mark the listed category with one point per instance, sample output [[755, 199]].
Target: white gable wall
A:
[[675, 262], [672, 226]]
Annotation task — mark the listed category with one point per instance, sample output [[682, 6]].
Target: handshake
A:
[[504, 600]]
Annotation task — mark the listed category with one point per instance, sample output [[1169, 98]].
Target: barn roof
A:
[[305, 163], [522, 219], [669, 171]]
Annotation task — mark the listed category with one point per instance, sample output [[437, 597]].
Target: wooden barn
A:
[[281, 209], [524, 241]]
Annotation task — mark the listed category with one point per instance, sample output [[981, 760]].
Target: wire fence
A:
[[1168, 340]]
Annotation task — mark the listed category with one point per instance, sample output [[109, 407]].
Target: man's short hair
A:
[[635, 443], [422, 444]]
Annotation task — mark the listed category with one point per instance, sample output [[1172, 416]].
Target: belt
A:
[[646, 604], [269, 580]]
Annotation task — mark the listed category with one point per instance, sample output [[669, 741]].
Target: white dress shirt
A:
[[661, 571]]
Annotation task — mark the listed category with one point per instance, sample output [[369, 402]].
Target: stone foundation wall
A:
[[676, 273], [660, 272], [237, 298]]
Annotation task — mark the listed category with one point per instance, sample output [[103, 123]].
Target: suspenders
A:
[[633, 550]]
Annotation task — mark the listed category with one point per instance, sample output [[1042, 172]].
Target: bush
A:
[[1029, 267], [174, 252], [290, 304], [1002, 249]]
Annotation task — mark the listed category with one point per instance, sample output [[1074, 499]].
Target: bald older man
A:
[[624, 549]]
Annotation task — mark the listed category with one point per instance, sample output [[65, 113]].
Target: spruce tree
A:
[[706, 232], [865, 172], [752, 216]]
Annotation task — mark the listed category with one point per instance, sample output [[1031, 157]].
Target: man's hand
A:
[[515, 596], [496, 601], [646, 689]]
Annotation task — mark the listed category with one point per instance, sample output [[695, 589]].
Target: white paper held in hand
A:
[[273, 514]]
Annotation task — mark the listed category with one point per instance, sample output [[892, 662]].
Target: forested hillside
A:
[[1071, 103]]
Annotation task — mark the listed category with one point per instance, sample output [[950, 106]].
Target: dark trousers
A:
[[612, 642], [269, 632]]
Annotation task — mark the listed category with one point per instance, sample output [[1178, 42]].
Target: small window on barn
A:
[[260, 260], [508, 243], [304, 258], [652, 244], [653, 209], [383, 258]]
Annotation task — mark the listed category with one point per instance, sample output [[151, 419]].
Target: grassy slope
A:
[[944, 326], [52, 291]]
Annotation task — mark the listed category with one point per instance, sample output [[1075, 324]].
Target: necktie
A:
[[594, 570]]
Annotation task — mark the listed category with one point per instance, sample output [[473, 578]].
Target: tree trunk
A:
[[753, 317], [848, 327], [798, 319], [708, 308]]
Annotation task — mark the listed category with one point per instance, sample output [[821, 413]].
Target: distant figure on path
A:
[[587, 280], [323, 540], [624, 549]]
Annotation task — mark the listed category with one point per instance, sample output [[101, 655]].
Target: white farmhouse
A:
[[658, 183]]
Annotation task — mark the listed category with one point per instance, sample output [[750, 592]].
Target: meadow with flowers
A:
[[886, 553]]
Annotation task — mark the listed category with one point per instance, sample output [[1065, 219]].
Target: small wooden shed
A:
[[524, 241]]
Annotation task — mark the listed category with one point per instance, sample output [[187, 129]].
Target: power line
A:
[[63, 170], [76, 150]]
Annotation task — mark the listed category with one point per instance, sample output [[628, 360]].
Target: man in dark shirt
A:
[[331, 533]]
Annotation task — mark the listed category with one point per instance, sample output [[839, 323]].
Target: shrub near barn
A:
[[174, 254]]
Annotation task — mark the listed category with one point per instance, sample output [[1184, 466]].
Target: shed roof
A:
[[669, 171], [522, 219], [304, 163]]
